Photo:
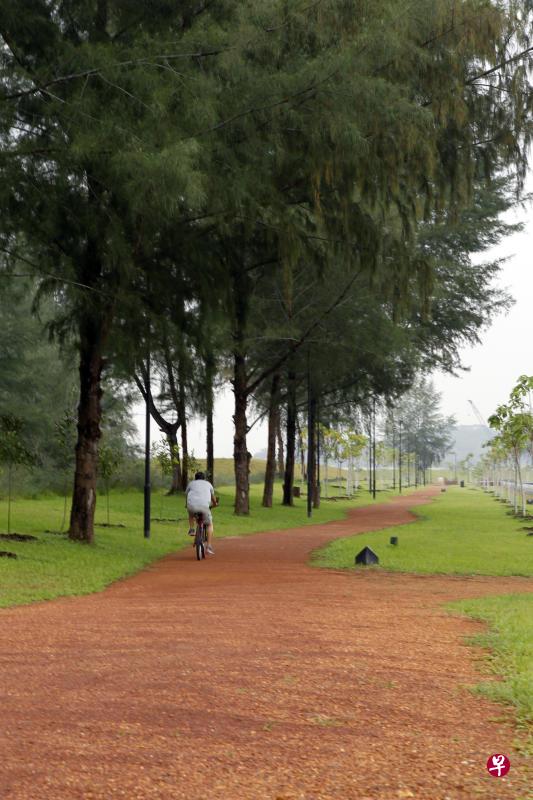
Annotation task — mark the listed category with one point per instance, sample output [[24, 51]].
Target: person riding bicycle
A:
[[200, 496]]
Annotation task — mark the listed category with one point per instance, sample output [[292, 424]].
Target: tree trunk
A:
[[301, 452], [370, 457], [182, 412], [290, 445], [184, 456], [9, 490], [65, 501], [210, 456], [240, 449], [316, 459], [89, 416], [273, 430], [241, 457], [279, 437], [210, 453], [172, 439], [515, 487], [169, 429], [311, 453]]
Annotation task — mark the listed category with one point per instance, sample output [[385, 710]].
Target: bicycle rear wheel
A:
[[199, 542]]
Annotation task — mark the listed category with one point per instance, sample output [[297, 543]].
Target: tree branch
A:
[[49, 274], [146, 392], [296, 346], [497, 67], [87, 73], [171, 381]]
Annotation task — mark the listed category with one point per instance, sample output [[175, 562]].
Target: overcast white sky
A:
[[494, 365], [505, 351]]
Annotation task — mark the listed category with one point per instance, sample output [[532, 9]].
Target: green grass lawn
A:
[[465, 531], [510, 639], [54, 566], [462, 531]]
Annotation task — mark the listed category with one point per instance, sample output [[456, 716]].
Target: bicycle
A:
[[200, 535]]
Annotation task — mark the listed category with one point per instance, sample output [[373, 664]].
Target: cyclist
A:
[[200, 496]]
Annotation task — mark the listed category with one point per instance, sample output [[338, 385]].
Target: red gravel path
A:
[[253, 677]]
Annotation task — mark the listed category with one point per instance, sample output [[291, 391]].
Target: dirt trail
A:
[[254, 677]]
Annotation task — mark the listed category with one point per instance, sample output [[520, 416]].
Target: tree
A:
[[80, 157], [514, 423], [273, 428], [117, 179], [109, 462], [328, 440], [466, 465], [13, 453], [462, 300], [37, 378], [166, 459], [65, 438], [194, 466], [426, 431], [495, 461]]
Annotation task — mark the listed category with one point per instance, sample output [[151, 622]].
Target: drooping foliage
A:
[[291, 166]]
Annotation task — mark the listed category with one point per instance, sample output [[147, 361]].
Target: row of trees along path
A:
[[278, 195]]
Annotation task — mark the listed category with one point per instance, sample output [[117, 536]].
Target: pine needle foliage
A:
[[146, 146]]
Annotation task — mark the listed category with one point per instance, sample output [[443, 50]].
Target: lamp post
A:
[[316, 499], [374, 447], [370, 452], [393, 455], [147, 487], [310, 440], [400, 456]]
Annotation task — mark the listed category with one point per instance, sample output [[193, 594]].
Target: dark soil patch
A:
[[7, 554], [56, 533], [165, 519], [18, 537]]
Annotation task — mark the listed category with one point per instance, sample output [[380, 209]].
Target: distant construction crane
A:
[[477, 413]]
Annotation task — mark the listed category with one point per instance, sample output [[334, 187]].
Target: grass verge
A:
[[463, 532], [510, 641], [53, 566]]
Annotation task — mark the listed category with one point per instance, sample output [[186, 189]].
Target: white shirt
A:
[[198, 494]]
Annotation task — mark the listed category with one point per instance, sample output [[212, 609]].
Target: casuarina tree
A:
[[14, 452]]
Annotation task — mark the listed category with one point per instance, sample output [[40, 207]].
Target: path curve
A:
[[254, 677]]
